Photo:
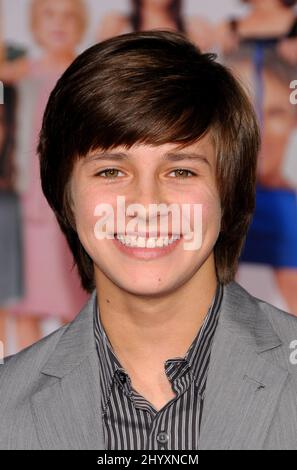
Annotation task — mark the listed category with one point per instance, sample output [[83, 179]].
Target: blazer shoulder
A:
[[283, 321], [260, 317], [284, 325], [21, 375], [280, 318], [21, 370]]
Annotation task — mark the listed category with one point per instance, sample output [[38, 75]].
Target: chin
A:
[[147, 290], [150, 283]]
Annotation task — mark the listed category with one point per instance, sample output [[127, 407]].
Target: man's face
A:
[[279, 120], [57, 25], [145, 176]]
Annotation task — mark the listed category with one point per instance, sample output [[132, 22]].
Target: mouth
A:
[[145, 247], [57, 34]]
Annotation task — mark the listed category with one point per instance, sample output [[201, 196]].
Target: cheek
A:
[[278, 127], [273, 144], [43, 24], [41, 32], [73, 29], [211, 219], [208, 197], [85, 200]]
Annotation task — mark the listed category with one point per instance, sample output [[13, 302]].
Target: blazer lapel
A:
[[67, 407], [242, 388]]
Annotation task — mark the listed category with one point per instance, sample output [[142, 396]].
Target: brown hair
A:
[[174, 11], [7, 122], [151, 87]]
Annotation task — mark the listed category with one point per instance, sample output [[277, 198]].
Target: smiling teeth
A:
[[150, 242]]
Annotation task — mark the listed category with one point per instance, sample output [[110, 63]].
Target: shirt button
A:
[[162, 437], [122, 377]]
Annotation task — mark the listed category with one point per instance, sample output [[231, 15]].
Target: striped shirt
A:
[[130, 422]]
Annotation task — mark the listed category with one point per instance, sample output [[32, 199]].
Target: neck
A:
[[156, 328], [58, 58], [154, 8]]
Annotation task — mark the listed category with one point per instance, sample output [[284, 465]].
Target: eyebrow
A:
[[168, 156]]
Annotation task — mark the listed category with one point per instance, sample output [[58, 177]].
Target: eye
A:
[[182, 172], [111, 172]]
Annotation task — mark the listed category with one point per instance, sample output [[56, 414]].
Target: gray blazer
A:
[[50, 394]]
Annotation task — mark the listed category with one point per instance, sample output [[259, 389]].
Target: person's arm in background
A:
[[10, 71]]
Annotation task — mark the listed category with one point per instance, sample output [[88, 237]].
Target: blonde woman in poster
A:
[[58, 27], [263, 58], [161, 14]]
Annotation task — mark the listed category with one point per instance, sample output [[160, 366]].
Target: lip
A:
[[57, 34], [146, 253]]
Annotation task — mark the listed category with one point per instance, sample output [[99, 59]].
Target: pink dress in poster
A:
[[52, 287]]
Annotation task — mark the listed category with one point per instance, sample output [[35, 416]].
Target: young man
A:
[[169, 352]]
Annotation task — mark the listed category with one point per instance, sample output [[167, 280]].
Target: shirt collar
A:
[[110, 365], [175, 368], [199, 352]]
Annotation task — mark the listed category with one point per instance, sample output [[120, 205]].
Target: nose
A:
[[149, 203], [147, 191]]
